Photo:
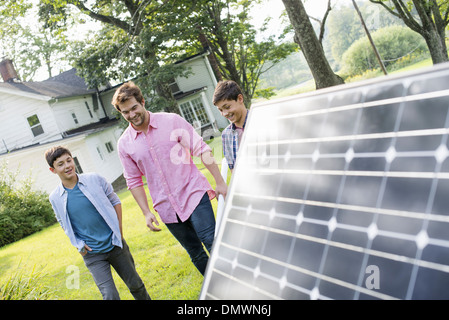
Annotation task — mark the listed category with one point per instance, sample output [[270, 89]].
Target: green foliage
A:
[[264, 93], [367, 74], [393, 43], [30, 44], [142, 39], [232, 38], [23, 211], [345, 28], [20, 286]]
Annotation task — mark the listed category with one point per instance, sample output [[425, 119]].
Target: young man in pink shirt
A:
[[160, 147]]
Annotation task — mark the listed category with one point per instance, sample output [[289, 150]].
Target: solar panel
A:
[[342, 193]]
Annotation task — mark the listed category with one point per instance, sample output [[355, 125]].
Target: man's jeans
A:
[[99, 265], [197, 230]]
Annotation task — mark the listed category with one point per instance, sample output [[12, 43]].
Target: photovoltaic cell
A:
[[342, 193]]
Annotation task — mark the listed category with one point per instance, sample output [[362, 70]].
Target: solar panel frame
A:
[[359, 145]]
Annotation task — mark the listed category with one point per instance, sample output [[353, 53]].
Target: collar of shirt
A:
[[153, 124], [233, 126], [81, 180]]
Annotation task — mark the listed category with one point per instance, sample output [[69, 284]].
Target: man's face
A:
[[64, 167], [134, 112], [232, 109]]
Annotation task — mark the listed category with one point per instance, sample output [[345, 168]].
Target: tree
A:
[[144, 37], [29, 46], [429, 18], [311, 47], [233, 41], [135, 35]]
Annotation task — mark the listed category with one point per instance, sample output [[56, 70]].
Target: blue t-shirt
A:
[[87, 223]]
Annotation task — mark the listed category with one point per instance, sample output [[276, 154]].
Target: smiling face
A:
[[64, 167], [135, 113], [233, 110]]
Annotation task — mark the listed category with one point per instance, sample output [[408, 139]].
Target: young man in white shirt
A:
[[90, 212]]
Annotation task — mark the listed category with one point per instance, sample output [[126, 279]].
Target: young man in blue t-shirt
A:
[[90, 212]]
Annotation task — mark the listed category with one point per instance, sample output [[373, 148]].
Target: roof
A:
[[92, 127], [84, 130], [182, 94], [205, 51], [65, 85]]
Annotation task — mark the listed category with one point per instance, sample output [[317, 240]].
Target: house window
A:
[[74, 118], [77, 166], [200, 111], [193, 111], [174, 86], [99, 153], [88, 109], [109, 147], [35, 125]]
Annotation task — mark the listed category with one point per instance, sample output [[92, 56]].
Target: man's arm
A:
[[141, 199], [209, 162]]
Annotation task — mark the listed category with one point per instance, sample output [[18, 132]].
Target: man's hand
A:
[[84, 250], [150, 219], [221, 188]]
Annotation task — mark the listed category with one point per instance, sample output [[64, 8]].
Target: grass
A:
[[309, 85], [161, 262]]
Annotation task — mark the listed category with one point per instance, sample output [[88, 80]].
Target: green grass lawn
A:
[[162, 263]]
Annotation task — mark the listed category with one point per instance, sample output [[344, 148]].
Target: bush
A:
[[393, 43], [23, 211]]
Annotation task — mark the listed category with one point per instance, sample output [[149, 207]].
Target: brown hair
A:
[[125, 92], [226, 90], [54, 153]]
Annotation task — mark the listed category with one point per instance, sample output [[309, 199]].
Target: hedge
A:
[[23, 211]]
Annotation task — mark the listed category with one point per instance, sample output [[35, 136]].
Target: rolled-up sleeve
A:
[[194, 142], [131, 171]]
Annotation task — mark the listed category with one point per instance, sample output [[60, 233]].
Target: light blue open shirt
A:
[[101, 194]]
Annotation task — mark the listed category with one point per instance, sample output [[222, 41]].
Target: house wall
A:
[[202, 76], [30, 163], [23, 153], [106, 97], [108, 163], [15, 131], [63, 109]]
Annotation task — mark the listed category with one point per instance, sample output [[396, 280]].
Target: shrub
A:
[[393, 43], [23, 211]]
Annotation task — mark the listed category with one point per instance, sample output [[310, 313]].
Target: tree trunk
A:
[[430, 30], [164, 91], [437, 50], [307, 40]]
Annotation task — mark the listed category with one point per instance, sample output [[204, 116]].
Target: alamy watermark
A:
[[73, 279], [372, 281]]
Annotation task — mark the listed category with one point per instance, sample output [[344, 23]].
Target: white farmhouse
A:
[[61, 110]]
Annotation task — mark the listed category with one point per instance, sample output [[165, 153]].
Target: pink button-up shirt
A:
[[163, 156]]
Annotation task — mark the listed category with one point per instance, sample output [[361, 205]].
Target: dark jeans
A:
[[99, 265], [197, 230]]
